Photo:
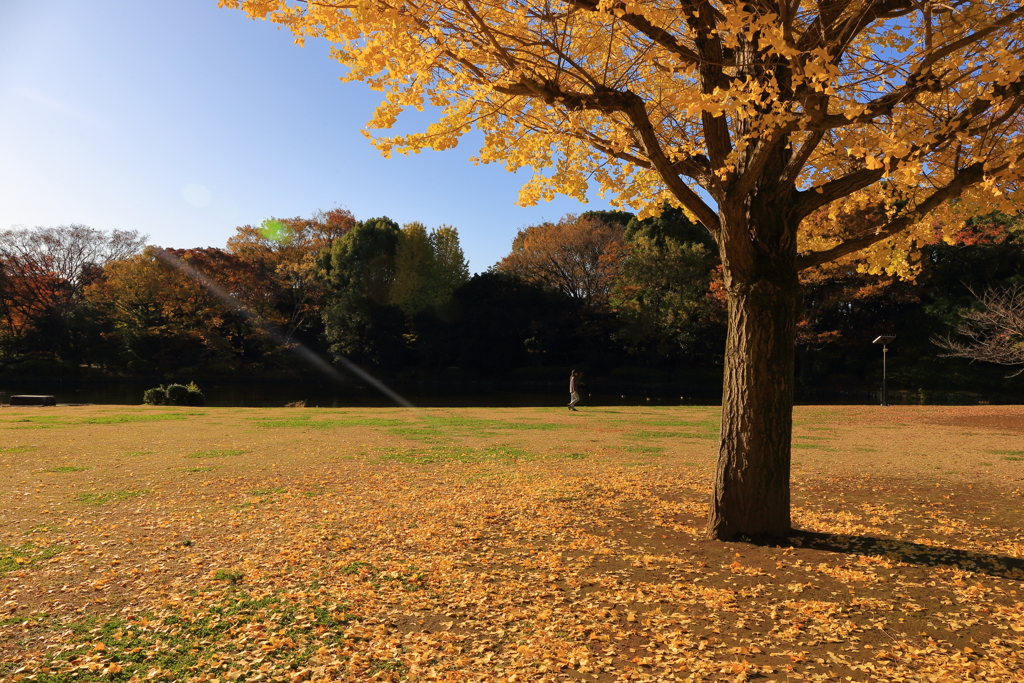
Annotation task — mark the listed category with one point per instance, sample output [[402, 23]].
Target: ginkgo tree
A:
[[748, 115]]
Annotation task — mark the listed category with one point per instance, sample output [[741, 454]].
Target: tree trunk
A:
[[751, 494]]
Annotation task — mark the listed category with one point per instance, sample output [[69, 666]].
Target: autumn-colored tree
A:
[[579, 256], [288, 248], [846, 303], [990, 325], [165, 320], [749, 115], [839, 297], [46, 269]]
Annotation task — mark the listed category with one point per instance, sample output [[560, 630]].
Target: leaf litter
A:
[[376, 553]]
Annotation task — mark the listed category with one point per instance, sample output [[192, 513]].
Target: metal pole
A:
[[885, 352]]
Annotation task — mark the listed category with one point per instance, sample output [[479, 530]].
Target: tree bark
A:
[[751, 494]]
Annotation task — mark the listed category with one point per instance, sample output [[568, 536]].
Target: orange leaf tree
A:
[[749, 115], [579, 256], [288, 249]]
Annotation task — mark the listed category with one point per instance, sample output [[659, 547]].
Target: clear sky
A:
[[182, 120]]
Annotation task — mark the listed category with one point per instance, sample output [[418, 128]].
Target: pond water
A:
[[482, 394], [328, 395]]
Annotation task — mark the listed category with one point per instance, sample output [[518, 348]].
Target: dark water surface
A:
[[268, 394], [222, 393]]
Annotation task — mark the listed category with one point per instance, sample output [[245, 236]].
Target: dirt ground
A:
[[527, 544]]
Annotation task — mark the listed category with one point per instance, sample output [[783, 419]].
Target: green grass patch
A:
[[687, 424], [137, 417], [216, 454], [17, 449], [52, 422], [647, 434], [307, 422], [66, 468], [818, 446], [268, 492], [700, 429], [229, 575], [454, 453], [477, 424], [1017, 453], [193, 470], [133, 454], [1015, 458], [200, 639], [645, 450], [22, 556], [423, 429], [428, 434], [90, 498]]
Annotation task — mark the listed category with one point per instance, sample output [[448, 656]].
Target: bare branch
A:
[[994, 332], [605, 100]]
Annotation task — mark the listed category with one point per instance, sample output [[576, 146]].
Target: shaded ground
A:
[[502, 544]]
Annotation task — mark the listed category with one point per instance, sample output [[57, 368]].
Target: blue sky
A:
[[183, 120]]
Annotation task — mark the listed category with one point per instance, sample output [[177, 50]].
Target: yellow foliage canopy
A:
[[899, 104]]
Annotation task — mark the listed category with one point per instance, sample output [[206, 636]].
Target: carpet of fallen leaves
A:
[[214, 544]]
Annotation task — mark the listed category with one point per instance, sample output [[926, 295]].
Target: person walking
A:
[[574, 394]]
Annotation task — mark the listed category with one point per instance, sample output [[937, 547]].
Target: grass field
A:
[[203, 544]]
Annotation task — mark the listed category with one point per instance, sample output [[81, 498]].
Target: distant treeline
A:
[[604, 292]]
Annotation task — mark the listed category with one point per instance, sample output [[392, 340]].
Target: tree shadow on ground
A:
[[909, 552]]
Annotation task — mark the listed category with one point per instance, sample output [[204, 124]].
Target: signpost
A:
[[884, 340]]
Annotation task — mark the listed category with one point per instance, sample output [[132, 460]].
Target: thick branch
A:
[[817, 197], [641, 24], [632, 105], [826, 31], [702, 20], [797, 161], [755, 166], [637, 113], [968, 176], [841, 187]]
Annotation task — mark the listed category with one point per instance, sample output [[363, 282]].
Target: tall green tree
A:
[[662, 297], [429, 267], [417, 275], [452, 266], [360, 321]]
